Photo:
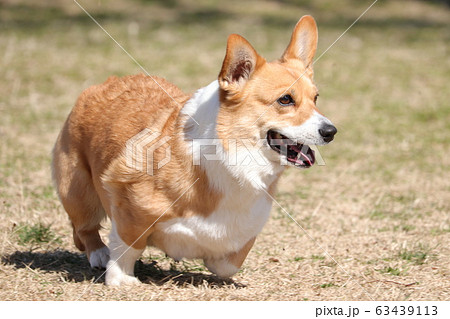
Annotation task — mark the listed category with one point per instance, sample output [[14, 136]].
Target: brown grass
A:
[[374, 220]]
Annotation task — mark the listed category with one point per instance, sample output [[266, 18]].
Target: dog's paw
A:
[[99, 258], [116, 277], [121, 281], [221, 267]]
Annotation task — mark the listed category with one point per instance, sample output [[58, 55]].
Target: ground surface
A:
[[374, 222]]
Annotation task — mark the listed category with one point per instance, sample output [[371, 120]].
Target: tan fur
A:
[[237, 258], [88, 159], [89, 163]]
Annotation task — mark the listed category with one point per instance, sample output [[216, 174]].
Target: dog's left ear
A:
[[303, 43], [240, 62]]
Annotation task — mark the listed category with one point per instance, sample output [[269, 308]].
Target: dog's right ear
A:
[[303, 43], [240, 62]]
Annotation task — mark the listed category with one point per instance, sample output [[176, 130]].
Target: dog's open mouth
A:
[[299, 155]]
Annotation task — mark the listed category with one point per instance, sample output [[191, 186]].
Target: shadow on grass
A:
[[75, 267], [152, 273]]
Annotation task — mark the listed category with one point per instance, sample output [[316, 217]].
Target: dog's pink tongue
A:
[[307, 158]]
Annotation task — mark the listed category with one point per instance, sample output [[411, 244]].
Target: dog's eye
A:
[[286, 100], [315, 98]]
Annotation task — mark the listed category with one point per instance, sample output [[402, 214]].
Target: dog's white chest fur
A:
[[243, 209], [224, 231]]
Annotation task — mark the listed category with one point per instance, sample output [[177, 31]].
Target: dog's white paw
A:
[[221, 267], [116, 277], [99, 258], [122, 280]]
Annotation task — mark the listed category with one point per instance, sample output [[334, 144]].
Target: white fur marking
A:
[[243, 211], [237, 219], [120, 268], [99, 258], [308, 132], [222, 267]]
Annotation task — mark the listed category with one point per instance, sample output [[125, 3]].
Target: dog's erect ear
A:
[[303, 43], [241, 60]]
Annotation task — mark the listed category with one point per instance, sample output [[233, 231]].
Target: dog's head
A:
[[274, 101]]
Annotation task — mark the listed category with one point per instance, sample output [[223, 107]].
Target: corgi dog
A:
[[193, 175]]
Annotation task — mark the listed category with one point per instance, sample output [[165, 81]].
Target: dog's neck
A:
[[200, 130]]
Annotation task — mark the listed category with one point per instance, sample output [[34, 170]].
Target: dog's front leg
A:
[[229, 265], [120, 268]]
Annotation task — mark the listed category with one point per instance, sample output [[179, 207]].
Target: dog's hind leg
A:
[[82, 204]]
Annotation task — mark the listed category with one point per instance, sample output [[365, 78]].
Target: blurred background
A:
[[380, 206]]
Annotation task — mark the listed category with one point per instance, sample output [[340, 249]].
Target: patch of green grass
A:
[[295, 194], [192, 266], [417, 257], [46, 192], [36, 234], [391, 271], [404, 199], [380, 214], [327, 285], [430, 116], [297, 258], [404, 215], [405, 228], [377, 214], [317, 257], [439, 231], [396, 207]]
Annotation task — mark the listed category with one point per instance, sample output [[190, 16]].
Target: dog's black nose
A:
[[328, 131]]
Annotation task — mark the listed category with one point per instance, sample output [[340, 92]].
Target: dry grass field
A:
[[373, 223]]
